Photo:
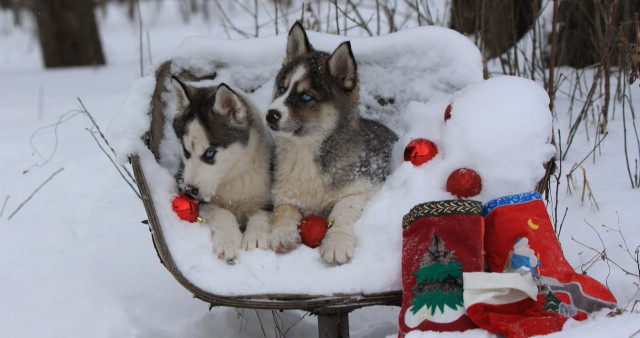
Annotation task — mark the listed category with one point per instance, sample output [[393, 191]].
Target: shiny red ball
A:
[[312, 229], [420, 151], [447, 113], [464, 183], [185, 207]]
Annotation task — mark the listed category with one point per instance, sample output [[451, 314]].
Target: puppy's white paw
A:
[[227, 245], [255, 239], [337, 248], [284, 239]]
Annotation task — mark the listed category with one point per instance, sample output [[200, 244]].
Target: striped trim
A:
[[511, 199], [442, 208]]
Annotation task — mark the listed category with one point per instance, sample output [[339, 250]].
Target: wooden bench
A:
[[394, 70]]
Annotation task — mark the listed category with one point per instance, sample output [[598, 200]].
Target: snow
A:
[[77, 262]]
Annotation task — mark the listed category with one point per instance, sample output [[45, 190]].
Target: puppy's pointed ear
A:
[[297, 43], [228, 104], [182, 94], [342, 66]]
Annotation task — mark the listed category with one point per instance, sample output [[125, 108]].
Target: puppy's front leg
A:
[[284, 234], [339, 242], [258, 230], [227, 236]]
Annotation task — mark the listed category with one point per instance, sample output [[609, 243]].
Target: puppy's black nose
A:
[[191, 190], [273, 116]]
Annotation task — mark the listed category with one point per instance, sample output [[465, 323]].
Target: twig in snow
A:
[[95, 125], [275, 4], [602, 255], [149, 48], [113, 162], [586, 187], [588, 104], [34, 192], [294, 324], [557, 229], [264, 333], [551, 89], [335, 2], [93, 121], [636, 259], [585, 183], [278, 324], [63, 118], [592, 150], [227, 23], [635, 182], [140, 37], [360, 22], [4, 205]]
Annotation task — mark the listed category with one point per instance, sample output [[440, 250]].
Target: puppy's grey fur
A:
[[329, 160], [226, 156]]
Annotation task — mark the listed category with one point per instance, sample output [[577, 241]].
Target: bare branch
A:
[[34, 192]]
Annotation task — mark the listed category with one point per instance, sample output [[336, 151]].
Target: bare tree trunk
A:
[[68, 33], [499, 23], [586, 32]]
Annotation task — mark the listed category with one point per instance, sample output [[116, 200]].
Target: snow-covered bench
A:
[[425, 64]]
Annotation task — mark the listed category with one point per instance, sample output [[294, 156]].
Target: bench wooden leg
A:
[[333, 325]]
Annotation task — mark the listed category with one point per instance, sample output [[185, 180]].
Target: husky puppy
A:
[[226, 160], [329, 161]]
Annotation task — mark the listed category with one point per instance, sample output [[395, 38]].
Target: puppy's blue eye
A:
[[282, 89], [209, 153], [305, 97]]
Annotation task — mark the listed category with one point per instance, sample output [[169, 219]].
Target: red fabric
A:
[[506, 223], [459, 231], [516, 320]]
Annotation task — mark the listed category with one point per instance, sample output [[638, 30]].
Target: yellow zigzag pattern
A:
[[441, 208]]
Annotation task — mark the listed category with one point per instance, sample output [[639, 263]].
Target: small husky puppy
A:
[[226, 160], [328, 160]]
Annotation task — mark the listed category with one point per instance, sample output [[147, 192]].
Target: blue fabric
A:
[[509, 200]]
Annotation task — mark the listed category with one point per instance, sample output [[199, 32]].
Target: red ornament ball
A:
[[185, 207], [464, 183], [420, 151], [447, 113], [312, 229]]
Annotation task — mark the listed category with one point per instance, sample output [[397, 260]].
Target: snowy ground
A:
[[76, 261]]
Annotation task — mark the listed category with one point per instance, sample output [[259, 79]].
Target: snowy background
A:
[[75, 261]]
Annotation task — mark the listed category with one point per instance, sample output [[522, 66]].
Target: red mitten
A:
[[519, 237], [441, 240]]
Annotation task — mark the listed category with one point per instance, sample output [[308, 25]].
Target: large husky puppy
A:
[[329, 161], [226, 155]]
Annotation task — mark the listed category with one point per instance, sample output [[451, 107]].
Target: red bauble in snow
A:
[[312, 229], [464, 183], [420, 151], [447, 113], [185, 207]]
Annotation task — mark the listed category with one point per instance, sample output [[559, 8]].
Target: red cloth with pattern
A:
[[440, 241], [519, 238]]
